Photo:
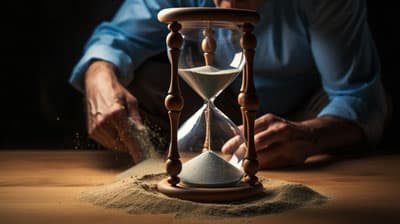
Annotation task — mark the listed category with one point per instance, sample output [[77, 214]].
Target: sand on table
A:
[[135, 191]]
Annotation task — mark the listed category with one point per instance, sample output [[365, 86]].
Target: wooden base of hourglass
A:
[[240, 191], [247, 99]]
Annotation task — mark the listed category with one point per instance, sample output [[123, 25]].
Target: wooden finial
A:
[[249, 101], [174, 103]]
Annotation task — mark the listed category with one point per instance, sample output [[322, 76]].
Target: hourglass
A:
[[208, 48]]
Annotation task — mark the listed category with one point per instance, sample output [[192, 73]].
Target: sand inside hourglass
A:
[[207, 80], [209, 169]]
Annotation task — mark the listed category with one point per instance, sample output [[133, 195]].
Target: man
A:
[[303, 46]]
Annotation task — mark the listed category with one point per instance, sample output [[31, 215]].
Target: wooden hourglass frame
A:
[[247, 99]]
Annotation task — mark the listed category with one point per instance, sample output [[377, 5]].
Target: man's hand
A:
[[281, 143], [109, 105]]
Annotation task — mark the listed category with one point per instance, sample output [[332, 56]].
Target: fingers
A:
[[104, 133], [109, 106], [275, 133], [112, 130], [282, 155], [132, 108], [263, 122], [271, 129], [241, 152], [235, 146], [278, 142], [232, 145], [126, 137]]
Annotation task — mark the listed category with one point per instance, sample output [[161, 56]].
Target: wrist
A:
[[330, 133], [100, 69]]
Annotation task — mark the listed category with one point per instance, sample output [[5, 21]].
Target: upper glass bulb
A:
[[211, 56]]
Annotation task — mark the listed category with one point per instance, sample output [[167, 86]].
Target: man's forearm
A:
[[331, 133], [99, 68]]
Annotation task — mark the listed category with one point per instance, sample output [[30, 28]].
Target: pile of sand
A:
[[135, 191]]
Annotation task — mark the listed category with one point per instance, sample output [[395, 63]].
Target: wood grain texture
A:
[[204, 14], [174, 103], [249, 103]]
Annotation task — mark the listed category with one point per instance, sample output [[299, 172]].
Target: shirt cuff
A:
[[117, 57]]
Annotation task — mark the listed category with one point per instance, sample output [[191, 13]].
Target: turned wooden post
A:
[[174, 103], [241, 100], [208, 46], [249, 102]]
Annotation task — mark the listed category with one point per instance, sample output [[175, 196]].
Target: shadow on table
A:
[[324, 161], [110, 160]]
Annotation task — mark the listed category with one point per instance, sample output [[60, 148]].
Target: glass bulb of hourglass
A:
[[208, 130]]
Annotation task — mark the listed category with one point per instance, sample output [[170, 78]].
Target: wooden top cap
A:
[[208, 14]]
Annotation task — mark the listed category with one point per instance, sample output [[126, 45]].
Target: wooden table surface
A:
[[44, 187]]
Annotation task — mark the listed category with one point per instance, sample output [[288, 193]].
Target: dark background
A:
[[41, 42]]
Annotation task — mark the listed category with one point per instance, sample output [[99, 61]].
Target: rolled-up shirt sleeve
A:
[[133, 35], [346, 57]]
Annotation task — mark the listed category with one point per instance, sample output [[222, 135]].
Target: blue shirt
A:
[[301, 44]]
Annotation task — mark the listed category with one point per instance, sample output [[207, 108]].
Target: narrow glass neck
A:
[[210, 102]]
